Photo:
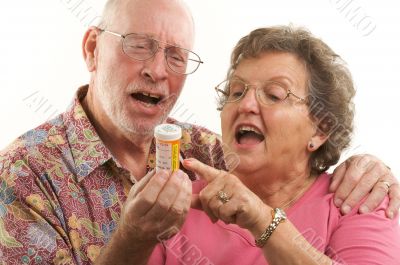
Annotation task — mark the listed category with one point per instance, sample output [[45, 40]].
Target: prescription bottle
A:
[[168, 138]]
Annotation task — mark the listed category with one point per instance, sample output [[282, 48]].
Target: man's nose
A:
[[155, 68]]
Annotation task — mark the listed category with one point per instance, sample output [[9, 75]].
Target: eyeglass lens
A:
[[269, 93], [180, 60]]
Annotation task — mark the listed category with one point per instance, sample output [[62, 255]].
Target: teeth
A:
[[154, 96], [150, 95], [249, 129], [148, 104]]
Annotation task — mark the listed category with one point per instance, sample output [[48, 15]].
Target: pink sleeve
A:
[[366, 239]]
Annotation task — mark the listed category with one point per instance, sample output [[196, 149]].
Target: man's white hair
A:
[[111, 10]]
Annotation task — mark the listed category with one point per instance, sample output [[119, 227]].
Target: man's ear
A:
[[89, 48]]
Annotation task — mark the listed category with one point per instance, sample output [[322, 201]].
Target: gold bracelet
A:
[[278, 216]]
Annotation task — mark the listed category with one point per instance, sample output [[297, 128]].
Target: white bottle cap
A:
[[168, 132]]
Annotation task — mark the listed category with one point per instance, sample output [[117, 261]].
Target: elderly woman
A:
[[287, 114]]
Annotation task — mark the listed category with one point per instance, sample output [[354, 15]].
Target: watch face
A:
[[280, 213]]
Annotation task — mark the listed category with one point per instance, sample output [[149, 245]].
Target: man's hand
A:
[[362, 174], [155, 210], [155, 205]]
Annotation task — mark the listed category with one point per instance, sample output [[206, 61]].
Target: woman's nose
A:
[[249, 102]]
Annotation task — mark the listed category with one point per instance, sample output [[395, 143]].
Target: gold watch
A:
[[278, 216]]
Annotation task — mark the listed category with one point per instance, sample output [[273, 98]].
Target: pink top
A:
[[351, 239]]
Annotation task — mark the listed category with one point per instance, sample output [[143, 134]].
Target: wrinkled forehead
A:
[[283, 67], [266, 59], [166, 20]]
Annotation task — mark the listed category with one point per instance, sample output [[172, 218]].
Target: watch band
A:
[[278, 216]]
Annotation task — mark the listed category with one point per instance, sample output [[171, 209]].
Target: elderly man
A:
[[79, 189]]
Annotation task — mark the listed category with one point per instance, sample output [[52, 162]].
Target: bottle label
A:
[[167, 155]]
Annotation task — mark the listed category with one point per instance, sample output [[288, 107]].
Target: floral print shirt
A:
[[61, 190]]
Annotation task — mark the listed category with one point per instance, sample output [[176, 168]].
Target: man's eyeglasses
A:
[[142, 47], [269, 93]]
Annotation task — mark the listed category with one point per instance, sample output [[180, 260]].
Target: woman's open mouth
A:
[[248, 135]]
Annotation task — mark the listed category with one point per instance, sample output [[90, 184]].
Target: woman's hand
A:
[[242, 207], [226, 198]]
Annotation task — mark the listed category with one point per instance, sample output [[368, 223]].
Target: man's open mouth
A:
[[147, 98]]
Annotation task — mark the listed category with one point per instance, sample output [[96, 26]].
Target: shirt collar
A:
[[87, 149]]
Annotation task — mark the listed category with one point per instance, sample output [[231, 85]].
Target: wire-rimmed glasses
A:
[[142, 47], [269, 93]]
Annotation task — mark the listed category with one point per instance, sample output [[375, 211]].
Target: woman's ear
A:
[[318, 139], [89, 48]]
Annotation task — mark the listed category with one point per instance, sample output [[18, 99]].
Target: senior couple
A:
[[80, 188]]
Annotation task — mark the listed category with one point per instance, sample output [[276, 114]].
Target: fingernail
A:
[[364, 209], [391, 215], [346, 209], [188, 161], [338, 202]]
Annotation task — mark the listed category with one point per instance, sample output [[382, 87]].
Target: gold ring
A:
[[222, 196]]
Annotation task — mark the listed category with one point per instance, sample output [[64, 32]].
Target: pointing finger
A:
[[204, 171]]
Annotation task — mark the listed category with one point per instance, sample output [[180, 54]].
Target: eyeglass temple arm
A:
[[113, 33], [299, 98], [217, 89], [195, 60]]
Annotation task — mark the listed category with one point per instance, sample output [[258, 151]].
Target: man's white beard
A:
[[111, 105]]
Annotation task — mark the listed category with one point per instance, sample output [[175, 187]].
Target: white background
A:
[[41, 64]]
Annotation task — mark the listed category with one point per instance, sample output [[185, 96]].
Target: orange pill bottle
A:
[[168, 138]]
